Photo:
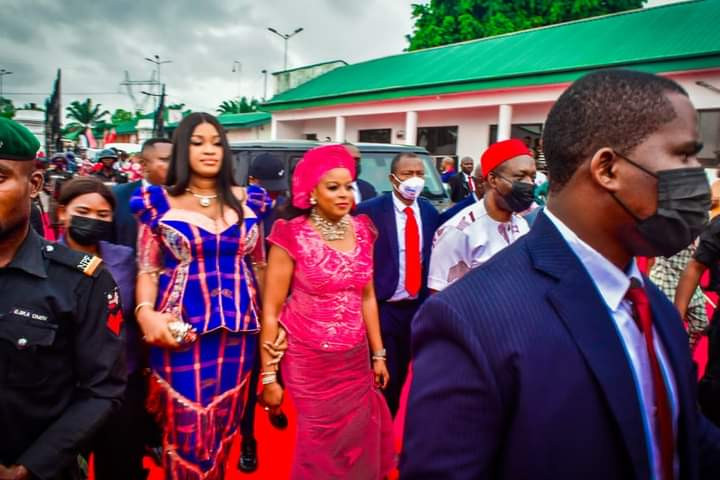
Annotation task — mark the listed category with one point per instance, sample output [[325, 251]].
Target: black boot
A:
[[248, 462]]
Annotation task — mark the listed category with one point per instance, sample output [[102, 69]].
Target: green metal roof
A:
[[236, 120], [244, 120], [125, 128], [675, 37]]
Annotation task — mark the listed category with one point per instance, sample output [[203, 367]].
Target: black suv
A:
[[376, 158]]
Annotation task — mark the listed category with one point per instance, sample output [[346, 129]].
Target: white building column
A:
[[411, 121], [340, 129], [273, 128], [504, 122]]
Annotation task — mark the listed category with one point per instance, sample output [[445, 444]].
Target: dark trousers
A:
[[247, 423], [395, 319], [120, 444], [709, 388]]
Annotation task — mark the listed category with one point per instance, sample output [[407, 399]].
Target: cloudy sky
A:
[[95, 42]]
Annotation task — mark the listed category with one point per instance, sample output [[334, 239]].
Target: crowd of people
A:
[[142, 315]]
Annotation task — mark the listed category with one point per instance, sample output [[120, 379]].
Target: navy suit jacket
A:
[[386, 263], [367, 191], [125, 227], [459, 188], [520, 373], [452, 211]]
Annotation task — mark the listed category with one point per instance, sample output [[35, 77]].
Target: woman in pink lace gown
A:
[[335, 364]]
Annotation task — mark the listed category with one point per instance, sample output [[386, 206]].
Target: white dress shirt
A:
[[400, 221], [466, 241], [356, 193], [612, 284]]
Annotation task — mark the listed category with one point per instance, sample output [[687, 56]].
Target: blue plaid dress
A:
[[205, 278]]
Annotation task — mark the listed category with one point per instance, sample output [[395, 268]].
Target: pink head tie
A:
[[311, 168]]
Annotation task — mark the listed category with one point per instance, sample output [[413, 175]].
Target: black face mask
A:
[[521, 195], [683, 202], [89, 231]]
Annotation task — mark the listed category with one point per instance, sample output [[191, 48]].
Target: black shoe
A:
[[278, 420], [248, 455]]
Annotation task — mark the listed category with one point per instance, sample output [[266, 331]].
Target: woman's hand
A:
[[277, 348], [382, 376], [272, 396], [154, 328]]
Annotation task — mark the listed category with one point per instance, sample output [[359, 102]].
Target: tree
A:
[[120, 115], [239, 106], [441, 22], [85, 114], [7, 109]]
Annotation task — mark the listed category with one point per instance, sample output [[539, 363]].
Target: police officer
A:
[[62, 369], [106, 168]]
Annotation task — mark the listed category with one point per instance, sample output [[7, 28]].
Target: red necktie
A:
[[471, 186], [663, 419], [413, 264]]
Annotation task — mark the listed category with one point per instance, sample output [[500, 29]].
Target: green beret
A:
[[16, 141]]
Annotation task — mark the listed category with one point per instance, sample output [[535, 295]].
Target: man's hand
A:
[[16, 472]]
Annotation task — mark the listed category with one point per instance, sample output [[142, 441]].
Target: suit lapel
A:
[[583, 312], [390, 225]]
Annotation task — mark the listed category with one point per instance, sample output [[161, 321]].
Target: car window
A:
[[375, 168]]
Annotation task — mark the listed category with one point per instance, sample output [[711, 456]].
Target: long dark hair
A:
[[178, 178], [83, 185]]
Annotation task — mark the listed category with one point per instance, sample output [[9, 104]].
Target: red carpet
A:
[[275, 448]]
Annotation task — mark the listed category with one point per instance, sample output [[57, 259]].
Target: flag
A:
[[53, 119], [90, 138], [160, 116]]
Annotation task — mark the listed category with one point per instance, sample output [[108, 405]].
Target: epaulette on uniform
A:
[[87, 264]]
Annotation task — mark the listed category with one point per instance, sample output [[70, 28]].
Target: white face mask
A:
[[411, 188]]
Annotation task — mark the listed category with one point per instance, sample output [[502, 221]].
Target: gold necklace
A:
[[204, 200], [330, 230]]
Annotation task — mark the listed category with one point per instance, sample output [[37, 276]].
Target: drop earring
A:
[[313, 201]]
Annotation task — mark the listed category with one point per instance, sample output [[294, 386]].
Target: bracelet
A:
[[380, 353], [268, 373], [267, 380], [141, 305], [378, 357]]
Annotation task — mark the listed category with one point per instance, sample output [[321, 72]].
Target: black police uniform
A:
[[62, 365]]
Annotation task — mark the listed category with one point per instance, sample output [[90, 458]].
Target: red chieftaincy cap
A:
[[501, 152]]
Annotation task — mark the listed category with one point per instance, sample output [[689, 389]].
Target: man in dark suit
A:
[[363, 189], [557, 359], [155, 158], [406, 224], [475, 197], [462, 184]]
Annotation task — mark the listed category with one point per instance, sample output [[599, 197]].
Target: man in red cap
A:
[[483, 228]]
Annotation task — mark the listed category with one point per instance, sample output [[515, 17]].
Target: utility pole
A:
[[265, 73], [237, 68], [159, 117], [286, 37], [3, 72], [128, 83], [156, 60]]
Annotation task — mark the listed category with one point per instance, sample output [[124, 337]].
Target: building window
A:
[[438, 140], [710, 136], [311, 136], [530, 133], [376, 135]]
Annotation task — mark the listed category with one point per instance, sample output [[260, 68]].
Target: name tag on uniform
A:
[[27, 313]]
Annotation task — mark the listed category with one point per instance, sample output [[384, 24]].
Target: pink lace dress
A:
[[344, 425]]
